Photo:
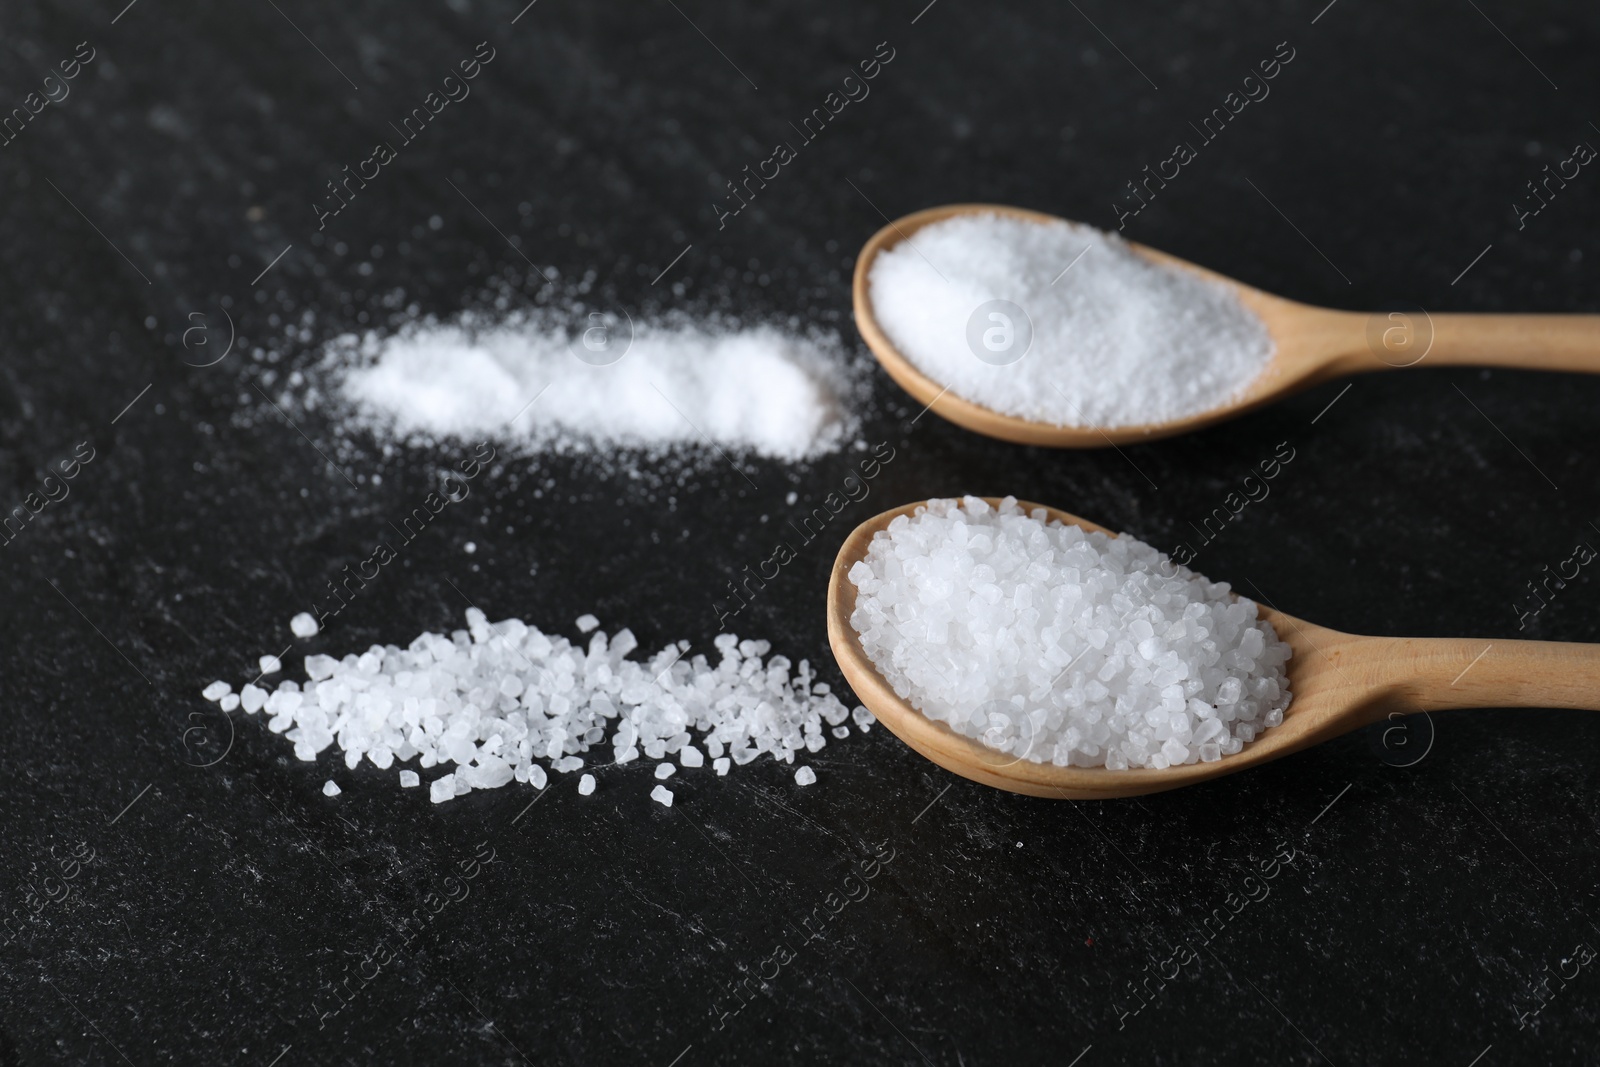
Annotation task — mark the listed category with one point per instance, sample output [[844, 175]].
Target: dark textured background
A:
[[1421, 909]]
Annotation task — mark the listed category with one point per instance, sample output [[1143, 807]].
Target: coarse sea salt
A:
[[1062, 323], [495, 699], [553, 382], [1060, 646]]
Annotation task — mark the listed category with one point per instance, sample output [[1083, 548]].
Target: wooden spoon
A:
[[1313, 345], [1340, 682]]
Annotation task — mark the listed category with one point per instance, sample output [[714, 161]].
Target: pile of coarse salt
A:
[[1116, 339], [497, 698], [537, 379], [1061, 646]]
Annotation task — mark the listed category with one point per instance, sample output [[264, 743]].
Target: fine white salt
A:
[[980, 304], [495, 699], [654, 386], [1060, 646], [303, 625]]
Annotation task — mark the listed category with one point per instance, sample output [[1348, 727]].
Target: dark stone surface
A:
[[1421, 909]]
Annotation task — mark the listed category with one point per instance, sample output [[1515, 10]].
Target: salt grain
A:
[[303, 625], [586, 623], [586, 785], [270, 664], [665, 771], [986, 306], [661, 795], [1061, 646], [216, 690], [410, 779], [805, 776], [329, 789]]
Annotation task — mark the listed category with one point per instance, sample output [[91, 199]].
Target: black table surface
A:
[[177, 888]]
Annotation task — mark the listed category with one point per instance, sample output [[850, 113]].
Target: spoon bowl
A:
[[1340, 682], [1312, 345]]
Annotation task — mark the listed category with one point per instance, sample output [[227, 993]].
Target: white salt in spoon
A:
[[1340, 682], [1312, 345]]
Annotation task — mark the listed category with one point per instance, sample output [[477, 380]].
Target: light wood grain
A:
[[1340, 683], [1312, 345]]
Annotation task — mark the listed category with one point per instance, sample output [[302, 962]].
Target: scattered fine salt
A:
[[1062, 323], [496, 698], [645, 385], [1061, 646]]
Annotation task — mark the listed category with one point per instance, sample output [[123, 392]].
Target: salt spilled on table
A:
[[1061, 323], [529, 378], [1061, 646], [496, 698]]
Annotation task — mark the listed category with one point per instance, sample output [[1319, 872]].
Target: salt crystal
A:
[[216, 690], [691, 757], [270, 664], [661, 795], [329, 789], [586, 785], [442, 789], [303, 625], [230, 701], [1063, 324], [665, 771], [586, 623], [410, 779], [805, 776], [721, 764], [252, 698]]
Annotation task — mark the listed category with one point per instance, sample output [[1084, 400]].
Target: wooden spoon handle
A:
[[1439, 674], [1530, 342]]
